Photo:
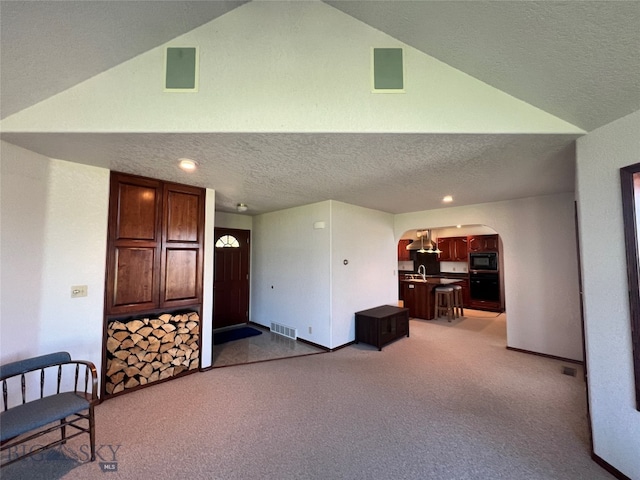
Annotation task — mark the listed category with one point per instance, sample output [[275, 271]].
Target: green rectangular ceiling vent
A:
[[388, 70], [181, 69]]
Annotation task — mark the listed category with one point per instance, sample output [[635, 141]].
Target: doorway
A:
[[470, 254], [231, 277]]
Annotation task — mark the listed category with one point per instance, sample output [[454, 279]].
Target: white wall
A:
[[54, 233], [298, 272], [364, 238], [290, 281], [540, 267], [615, 421], [234, 220], [274, 66], [206, 317]]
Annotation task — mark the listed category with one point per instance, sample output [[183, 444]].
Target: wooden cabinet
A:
[[466, 293], [403, 253], [453, 249], [483, 243], [382, 325], [460, 251], [416, 297], [154, 246], [444, 245], [182, 245]]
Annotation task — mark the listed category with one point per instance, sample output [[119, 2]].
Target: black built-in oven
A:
[[483, 261], [484, 286]]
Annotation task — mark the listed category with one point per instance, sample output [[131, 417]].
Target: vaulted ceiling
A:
[[576, 60]]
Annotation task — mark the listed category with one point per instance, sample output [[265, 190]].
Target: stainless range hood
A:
[[422, 245]]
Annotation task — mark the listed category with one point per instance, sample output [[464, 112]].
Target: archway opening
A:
[[469, 254]]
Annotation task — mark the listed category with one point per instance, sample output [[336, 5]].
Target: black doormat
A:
[[235, 334]]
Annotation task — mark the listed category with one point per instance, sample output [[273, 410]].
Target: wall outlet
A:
[[78, 291], [310, 330]]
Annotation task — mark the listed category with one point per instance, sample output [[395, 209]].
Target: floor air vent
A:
[[284, 330]]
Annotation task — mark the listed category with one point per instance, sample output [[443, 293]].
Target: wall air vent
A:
[[181, 69], [387, 67], [284, 330]]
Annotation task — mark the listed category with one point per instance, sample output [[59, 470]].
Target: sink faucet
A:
[[422, 271]]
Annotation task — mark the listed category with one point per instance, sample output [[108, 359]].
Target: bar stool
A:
[[458, 309], [444, 302]]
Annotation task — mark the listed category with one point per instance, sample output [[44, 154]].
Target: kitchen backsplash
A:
[[405, 266], [454, 267]]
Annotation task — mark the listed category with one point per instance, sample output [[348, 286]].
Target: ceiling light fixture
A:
[[187, 165], [241, 207], [447, 199]]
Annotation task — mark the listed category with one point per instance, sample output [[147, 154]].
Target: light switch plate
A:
[[78, 291]]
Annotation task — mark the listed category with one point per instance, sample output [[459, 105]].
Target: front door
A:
[[231, 277]]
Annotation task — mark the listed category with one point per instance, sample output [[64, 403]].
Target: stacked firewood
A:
[[150, 349]]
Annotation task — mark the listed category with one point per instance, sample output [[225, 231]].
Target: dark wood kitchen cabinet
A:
[[154, 246], [415, 296], [444, 245], [483, 243], [382, 325], [453, 249], [466, 294], [403, 253]]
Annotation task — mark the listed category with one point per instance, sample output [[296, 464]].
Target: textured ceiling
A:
[[49, 46], [577, 60], [395, 173]]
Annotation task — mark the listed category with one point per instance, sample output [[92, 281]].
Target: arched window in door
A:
[[227, 241]]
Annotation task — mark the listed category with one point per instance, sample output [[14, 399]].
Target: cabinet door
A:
[[483, 243], [403, 253], [474, 244], [387, 330], [466, 294], [134, 243], [183, 220], [452, 249], [155, 245], [459, 249], [402, 324], [409, 297], [445, 247], [490, 243], [422, 303]]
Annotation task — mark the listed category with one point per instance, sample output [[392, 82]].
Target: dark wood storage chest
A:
[[382, 325]]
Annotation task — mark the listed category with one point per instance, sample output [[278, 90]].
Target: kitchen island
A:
[[419, 296]]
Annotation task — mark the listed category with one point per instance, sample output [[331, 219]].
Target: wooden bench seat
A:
[[34, 417]]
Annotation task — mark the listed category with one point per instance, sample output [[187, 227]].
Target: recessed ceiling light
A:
[[447, 199], [187, 165]]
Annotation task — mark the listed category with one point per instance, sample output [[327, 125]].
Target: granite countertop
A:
[[458, 276], [432, 280], [454, 274]]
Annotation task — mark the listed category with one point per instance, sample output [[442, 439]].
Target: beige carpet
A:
[[449, 402]]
